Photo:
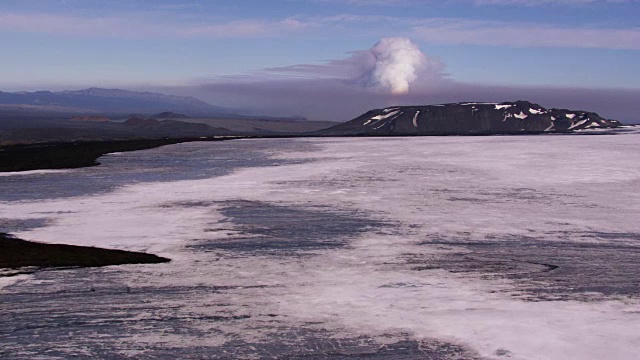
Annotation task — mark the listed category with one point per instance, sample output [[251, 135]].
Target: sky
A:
[[331, 59]]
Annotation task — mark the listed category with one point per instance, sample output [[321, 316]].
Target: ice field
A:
[[496, 247]]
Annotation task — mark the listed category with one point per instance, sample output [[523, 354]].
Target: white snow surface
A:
[[31, 172], [350, 290], [535, 111], [570, 116], [500, 107], [10, 280]]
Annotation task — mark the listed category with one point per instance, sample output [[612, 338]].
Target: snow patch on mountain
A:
[[388, 115], [415, 118], [483, 118], [575, 125], [521, 115]]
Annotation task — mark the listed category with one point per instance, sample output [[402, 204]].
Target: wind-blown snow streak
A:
[[578, 123], [415, 119], [387, 115]]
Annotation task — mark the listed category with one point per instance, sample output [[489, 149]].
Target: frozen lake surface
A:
[[519, 247]]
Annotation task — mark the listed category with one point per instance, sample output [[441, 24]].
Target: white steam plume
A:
[[397, 63], [391, 65]]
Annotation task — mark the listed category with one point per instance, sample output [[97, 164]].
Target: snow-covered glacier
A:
[[388, 248]]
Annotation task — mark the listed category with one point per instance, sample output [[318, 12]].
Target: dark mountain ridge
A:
[[173, 128], [470, 118], [170, 115], [109, 101]]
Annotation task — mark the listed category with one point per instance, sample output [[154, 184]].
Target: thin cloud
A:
[[460, 31], [550, 2], [435, 31], [469, 32], [113, 26], [394, 3]]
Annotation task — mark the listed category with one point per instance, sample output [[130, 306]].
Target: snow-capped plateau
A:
[[471, 118]]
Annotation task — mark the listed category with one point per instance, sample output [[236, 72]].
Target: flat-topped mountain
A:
[[469, 118]]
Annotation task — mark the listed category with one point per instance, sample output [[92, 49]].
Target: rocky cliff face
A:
[[470, 118]]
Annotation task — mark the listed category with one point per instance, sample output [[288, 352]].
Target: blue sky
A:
[[202, 47]]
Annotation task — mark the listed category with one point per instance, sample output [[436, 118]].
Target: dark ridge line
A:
[[19, 254]]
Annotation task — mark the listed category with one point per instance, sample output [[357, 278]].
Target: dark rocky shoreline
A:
[[76, 154], [16, 253]]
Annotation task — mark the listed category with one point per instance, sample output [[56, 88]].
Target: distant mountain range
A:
[[470, 118], [106, 101], [175, 116]]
